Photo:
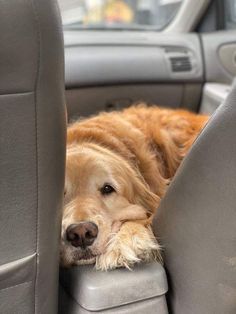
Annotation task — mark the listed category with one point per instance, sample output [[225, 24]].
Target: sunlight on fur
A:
[[134, 243]]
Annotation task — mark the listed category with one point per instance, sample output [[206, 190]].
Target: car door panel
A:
[[219, 52]]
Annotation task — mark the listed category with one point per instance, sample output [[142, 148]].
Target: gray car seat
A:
[[32, 149], [196, 222]]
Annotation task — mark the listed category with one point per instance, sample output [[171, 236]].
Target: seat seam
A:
[[33, 255], [37, 21], [19, 284], [18, 93]]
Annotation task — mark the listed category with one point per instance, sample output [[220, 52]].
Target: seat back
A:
[[32, 154], [196, 221]]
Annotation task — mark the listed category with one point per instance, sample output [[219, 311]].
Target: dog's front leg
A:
[[133, 243]]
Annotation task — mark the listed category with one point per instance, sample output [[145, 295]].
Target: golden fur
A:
[[137, 151]]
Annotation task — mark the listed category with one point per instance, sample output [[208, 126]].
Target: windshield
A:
[[118, 14]]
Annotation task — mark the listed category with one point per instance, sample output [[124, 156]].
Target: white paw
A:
[[134, 243]]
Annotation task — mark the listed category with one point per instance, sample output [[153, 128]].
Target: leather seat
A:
[[196, 221], [32, 154]]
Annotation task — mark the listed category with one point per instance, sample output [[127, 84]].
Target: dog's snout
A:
[[82, 234]]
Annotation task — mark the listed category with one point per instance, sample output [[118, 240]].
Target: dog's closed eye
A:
[[107, 189]]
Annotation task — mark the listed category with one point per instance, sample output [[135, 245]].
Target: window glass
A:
[[230, 14], [118, 14]]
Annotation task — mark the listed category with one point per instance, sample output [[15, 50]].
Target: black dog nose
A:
[[82, 234]]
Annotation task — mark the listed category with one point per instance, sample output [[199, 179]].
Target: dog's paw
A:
[[133, 243]]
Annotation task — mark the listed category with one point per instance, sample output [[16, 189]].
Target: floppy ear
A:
[[144, 196]]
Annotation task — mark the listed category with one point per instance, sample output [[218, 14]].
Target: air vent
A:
[[181, 64]]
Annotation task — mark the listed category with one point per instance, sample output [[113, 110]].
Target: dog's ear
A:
[[145, 197]]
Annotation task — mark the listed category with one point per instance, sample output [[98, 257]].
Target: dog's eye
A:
[[107, 189]]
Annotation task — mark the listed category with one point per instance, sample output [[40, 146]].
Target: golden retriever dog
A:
[[119, 165]]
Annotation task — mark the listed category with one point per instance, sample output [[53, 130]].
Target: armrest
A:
[[117, 291]]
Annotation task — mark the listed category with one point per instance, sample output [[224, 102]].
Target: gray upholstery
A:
[[196, 221], [32, 149]]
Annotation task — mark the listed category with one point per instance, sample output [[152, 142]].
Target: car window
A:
[[118, 14]]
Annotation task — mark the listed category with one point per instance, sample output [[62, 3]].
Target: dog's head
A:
[[102, 191]]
